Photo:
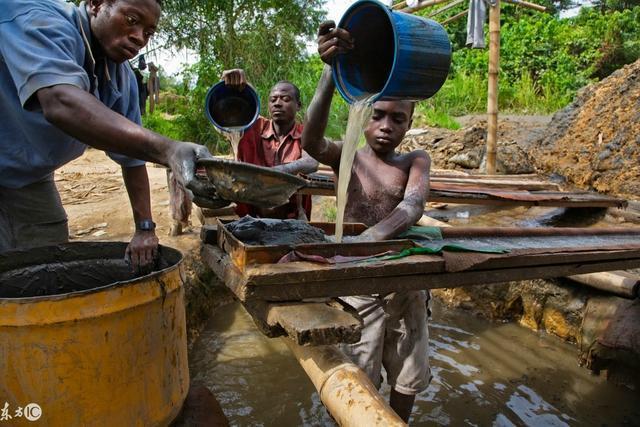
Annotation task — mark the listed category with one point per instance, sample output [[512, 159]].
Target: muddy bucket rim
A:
[[62, 253]]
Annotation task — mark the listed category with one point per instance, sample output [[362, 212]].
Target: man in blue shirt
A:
[[65, 82]]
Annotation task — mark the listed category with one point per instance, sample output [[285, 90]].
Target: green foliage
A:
[[544, 59], [265, 38], [163, 124], [329, 212]]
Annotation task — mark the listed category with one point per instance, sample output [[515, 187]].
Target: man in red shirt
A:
[[275, 143]]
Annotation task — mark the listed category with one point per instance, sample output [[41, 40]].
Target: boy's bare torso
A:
[[377, 186]]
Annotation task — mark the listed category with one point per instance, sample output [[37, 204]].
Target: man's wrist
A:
[[145, 225]]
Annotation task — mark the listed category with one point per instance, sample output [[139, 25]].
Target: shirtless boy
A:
[[387, 192]]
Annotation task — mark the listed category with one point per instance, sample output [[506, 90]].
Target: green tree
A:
[[267, 38]]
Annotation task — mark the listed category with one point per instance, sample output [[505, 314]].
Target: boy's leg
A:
[[367, 353], [406, 346], [402, 404]]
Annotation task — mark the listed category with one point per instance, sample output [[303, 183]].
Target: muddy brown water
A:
[[484, 373]]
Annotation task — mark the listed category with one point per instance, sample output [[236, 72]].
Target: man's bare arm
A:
[[143, 247], [411, 208], [81, 115]]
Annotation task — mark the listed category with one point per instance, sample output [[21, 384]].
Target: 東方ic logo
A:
[[32, 412]]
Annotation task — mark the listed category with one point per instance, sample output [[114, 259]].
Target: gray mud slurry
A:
[[265, 231]]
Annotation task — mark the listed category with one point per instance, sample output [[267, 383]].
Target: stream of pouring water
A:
[[234, 138], [359, 114]]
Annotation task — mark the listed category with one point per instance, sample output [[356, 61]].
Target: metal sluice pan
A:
[[251, 184]]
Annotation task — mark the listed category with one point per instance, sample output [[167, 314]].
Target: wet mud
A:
[[264, 231], [71, 267]]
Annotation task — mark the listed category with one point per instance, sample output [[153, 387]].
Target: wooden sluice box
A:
[[278, 294]]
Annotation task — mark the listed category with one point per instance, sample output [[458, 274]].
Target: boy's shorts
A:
[[395, 336]]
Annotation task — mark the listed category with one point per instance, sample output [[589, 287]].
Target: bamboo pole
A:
[[423, 5], [399, 6], [619, 283], [454, 17], [345, 390], [403, 6], [445, 8], [527, 5], [492, 100]]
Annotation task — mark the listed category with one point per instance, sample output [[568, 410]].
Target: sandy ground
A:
[[97, 204]]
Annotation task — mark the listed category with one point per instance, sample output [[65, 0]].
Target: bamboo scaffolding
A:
[[494, 62], [445, 8], [400, 5], [492, 99], [455, 17], [527, 5], [423, 5]]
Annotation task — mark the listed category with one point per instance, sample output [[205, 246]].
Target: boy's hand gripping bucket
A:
[[396, 55]]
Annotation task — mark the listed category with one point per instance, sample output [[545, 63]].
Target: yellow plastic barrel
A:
[[83, 342]]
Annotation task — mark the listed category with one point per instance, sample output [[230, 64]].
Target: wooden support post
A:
[[492, 101]]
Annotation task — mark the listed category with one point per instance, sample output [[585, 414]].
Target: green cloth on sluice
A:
[[422, 233], [430, 242]]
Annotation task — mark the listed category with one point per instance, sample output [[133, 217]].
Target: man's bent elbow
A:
[[56, 104]]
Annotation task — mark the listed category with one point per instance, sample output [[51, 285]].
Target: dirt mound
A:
[[465, 149], [595, 142]]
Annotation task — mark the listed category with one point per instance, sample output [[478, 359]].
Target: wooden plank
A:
[[363, 286], [317, 323], [484, 199], [530, 260], [417, 264], [387, 280], [222, 267], [499, 183], [570, 200], [310, 272], [327, 182], [307, 323], [475, 232]]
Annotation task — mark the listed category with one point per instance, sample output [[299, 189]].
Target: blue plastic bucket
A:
[[396, 55], [231, 110]]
